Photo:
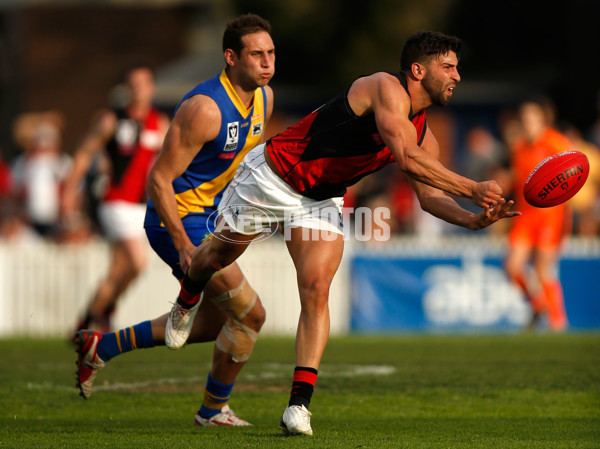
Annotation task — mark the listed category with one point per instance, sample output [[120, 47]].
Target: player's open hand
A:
[[490, 215], [486, 193]]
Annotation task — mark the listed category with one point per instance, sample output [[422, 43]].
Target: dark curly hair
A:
[[424, 44], [240, 26]]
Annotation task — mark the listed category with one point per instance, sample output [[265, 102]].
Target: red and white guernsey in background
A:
[[132, 152]]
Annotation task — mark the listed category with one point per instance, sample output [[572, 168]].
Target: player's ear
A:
[[418, 70], [230, 57]]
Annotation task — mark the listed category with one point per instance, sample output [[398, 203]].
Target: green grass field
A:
[[506, 391]]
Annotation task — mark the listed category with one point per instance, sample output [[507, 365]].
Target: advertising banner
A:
[[464, 291]]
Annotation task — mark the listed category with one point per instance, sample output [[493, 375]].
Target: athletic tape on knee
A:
[[235, 337], [238, 302]]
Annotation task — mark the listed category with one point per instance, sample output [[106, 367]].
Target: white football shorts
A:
[[122, 220], [257, 198]]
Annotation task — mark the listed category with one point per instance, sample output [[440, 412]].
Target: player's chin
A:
[[262, 81], [441, 100]]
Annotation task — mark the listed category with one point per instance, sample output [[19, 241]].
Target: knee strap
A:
[[235, 337], [236, 303]]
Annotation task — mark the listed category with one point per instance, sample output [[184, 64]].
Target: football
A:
[[556, 179]]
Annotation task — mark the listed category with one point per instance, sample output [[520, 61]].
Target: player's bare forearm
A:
[[421, 163], [72, 184], [162, 195], [445, 208], [423, 167], [94, 141]]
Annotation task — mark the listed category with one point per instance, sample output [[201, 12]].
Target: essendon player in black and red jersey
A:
[[333, 148], [298, 177], [131, 138]]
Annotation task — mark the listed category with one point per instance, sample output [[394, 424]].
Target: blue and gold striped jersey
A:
[[199, 189]]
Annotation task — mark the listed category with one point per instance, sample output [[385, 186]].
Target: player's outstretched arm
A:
[[441, 205], [382, 94], [101, 130]]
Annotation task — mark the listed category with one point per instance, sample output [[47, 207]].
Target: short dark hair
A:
[[424, 44], [239, 27]]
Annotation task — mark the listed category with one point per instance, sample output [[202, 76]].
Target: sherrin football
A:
[[556, 179]]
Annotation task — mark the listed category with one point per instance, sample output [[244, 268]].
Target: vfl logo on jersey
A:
[[233, 134], [257, 129]]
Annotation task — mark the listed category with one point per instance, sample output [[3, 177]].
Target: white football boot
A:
[[227, 417], [295, 421], [179, 324]]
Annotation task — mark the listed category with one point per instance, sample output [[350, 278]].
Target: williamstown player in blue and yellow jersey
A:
[[213, 128]]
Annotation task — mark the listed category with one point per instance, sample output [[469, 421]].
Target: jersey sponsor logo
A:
[[233, 134], [257, 129]]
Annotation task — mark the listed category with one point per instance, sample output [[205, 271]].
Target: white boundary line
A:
[[270, 371]]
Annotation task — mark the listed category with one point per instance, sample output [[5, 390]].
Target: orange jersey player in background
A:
[[537, 235]]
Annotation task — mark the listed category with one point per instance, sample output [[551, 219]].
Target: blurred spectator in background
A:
[[594, 131], [373, 193], [509, 127], [537, 235], [131, 137], [5, 180], [38, 174], [586, 203], [486, 157], [404, 204], [5, 188], [483, 154], [9, 223]]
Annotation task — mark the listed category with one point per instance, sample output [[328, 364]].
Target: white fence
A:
[[44, 288]]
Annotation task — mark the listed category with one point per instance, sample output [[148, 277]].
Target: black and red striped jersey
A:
[[332, 148], [132, 151]]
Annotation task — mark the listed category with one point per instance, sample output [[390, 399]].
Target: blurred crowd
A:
[[31, 185], [31, 201]]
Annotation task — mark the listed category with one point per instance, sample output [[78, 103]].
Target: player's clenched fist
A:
[[486, 193]]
